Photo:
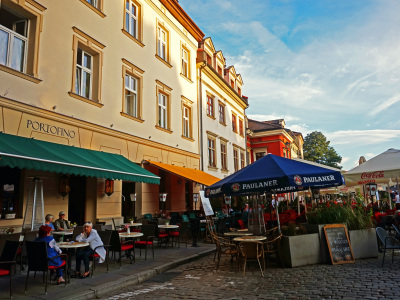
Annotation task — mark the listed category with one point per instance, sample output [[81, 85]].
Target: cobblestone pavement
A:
[[365, 279]]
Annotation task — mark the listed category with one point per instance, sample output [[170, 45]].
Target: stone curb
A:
[[135, 279]]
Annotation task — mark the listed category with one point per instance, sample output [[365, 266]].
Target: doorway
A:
[[77, 199], [128, 206]]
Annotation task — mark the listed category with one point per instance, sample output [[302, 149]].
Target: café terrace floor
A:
[[164, 259]]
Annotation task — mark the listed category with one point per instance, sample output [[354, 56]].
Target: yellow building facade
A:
[[112, 76]]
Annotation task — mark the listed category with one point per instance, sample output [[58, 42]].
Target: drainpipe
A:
[[201, 116]]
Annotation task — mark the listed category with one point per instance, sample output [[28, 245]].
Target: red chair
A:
[[117, 247], [241, 224], [147, 239], [7, 260]]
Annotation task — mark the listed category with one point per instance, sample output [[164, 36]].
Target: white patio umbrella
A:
[[379, 169]]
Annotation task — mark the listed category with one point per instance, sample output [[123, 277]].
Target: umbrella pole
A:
[[298, 204], [277, 213]]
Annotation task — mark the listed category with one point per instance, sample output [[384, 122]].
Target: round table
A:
[[133, 224], [168, 227], [70, 247], [254, 238], [130, 235], [62, 232], [238, 233]]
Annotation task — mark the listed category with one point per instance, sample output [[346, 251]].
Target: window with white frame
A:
[[221, 110], [211, 152], [185, 63], [162, 111], [186, 122], [162, 43], [224, 165], [242, 160], [131, 18], [236, 159], [131, 96], [84, 71], [13, 40], [210, 106]]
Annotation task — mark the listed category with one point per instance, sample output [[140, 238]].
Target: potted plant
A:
[[130, 220]]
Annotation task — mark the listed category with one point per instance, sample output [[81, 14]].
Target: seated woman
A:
[[89, 235], [48, 220], [52, 250]]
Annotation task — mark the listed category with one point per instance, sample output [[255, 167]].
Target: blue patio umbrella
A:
[[277, 175]]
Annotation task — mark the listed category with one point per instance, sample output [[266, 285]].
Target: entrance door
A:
[[128, 206], [77, 199]]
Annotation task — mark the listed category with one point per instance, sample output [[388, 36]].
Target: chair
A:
[[192, 215], [7, 260], [28, 236], [105, 237], [181, 234], [397, 231], [39, 261], [115, 245], [241, 224], [387, 241], [97, 227], [77, 231], [147, 239], [148, 216], [251, 251], [224, 247], [271, 246], [185, 218]]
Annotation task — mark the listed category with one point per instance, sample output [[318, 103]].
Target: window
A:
[[210, 106], [209, 60], [87, 68], [84, 74], [162, 111], [242, 161], [162, 43], [10, 201], [221, 111], [96, 6], [211, 152], [93, 3], [185, 63], [232, 84], [239, 91], [219, 70], [131, 18], [236, 159], [163, 106], [241, 127], [186, 122], [260, 155], [234, 126], [224, 165], [131, 97]]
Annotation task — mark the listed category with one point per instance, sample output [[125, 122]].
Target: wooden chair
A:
[[7, 260], [38, 260], [272, 247], [224, 247], [251, 251]]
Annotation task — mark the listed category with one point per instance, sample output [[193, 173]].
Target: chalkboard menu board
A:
[[339, 244]]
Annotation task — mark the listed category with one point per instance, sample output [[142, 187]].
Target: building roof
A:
[[257, 126]]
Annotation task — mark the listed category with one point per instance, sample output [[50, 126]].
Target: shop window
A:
[[19, 39], [10, 191]]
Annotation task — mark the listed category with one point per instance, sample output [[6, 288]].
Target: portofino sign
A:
[[47, 128]]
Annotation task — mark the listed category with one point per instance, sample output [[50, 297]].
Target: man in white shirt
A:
[[396, 197]]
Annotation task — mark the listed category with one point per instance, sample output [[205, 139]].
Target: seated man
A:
[[61, 223]]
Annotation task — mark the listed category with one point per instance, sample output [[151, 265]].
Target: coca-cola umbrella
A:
[[379, 169]]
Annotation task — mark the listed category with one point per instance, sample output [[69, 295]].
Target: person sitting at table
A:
[[52, 250], [165, 214], [48, 221], [61, 223], [89, 235], [396, 215], [225, 210]]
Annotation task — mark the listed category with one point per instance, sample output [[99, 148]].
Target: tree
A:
[[316, 148]]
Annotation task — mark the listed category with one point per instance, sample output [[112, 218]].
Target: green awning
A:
[[25, 153]]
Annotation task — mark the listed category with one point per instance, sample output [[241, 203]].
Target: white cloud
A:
[[363, 137]]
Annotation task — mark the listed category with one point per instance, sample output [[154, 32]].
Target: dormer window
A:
[[219, 70], [209, 61], [239, 91], [232, 84]]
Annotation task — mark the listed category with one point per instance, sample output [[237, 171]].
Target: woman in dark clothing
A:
[[52, 250]]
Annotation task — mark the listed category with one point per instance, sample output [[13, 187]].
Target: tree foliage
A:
[[316, 148]]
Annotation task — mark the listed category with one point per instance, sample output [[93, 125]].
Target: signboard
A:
[[339, 244], [206, 204]]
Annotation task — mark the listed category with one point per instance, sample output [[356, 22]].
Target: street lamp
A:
[[228, 200], [195, 200], [63, 186], [195, 224], [109, 187], [163, 198]]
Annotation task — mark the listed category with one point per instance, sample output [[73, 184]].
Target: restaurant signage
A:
[[47, 128]]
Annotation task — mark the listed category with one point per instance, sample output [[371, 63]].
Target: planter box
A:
[[364, 243], [9, 216], [301, 250]]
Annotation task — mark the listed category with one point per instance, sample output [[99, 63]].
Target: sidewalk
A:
[[103, 282]]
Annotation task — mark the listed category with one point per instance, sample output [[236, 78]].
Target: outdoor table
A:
[[167, 228], [237, 233], [62, 232], [129, 235], [254, 238], [133, 224], [70, 248]]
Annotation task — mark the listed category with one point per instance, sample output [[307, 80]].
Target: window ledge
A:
[[132, 117], [76, 96], [20, 74], [224, 124], [187, 78], [211, 168], [224, 170], [99, 12], [163, 129], [132, 38], [186, 138], [241, 134], [212, 117], [163, 61]]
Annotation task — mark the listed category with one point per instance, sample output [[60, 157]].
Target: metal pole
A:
[[34, 203]]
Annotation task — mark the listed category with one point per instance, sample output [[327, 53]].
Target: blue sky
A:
[[326, 65]]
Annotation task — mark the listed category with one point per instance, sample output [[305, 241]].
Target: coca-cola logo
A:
[[373, 175]]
